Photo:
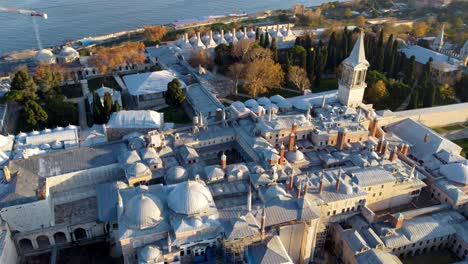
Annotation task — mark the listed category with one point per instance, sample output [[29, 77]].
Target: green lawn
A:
[[175, 115], [435, 257], [72, 90], [107, 81], [284, 93], [464, 144], [448, 128], [237, 98], [325, 85]]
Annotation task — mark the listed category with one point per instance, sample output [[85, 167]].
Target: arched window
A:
[[43, 241], [25, 245]]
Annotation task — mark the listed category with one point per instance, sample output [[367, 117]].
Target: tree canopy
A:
[[175, 95], [24, 83], [33, 113], [154, 33], [262, 74]]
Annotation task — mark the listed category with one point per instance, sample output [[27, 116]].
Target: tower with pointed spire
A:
[[439, 41], [352, 83]]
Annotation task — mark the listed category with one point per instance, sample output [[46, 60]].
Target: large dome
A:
[[176, 174], [143, 211], [455, 172], [68, 52], [150, 254], [138, 169], [189, 198], [45, 56], [295, 156]]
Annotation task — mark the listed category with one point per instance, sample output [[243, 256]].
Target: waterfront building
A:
[[67, 55], [45, 56]]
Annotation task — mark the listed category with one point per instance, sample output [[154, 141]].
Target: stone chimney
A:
[[6, 174], [292, 141], [169, 243], [426, 138], [219, 114], [223, 161], [281, 155], [263, 223], [379, 145], [298, 190], [249, 199], [394, 154], [306, 187], [321, 184]]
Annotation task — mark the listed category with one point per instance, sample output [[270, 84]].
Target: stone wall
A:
[[432, 117]]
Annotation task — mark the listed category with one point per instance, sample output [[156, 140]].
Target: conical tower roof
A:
[[358, 55]]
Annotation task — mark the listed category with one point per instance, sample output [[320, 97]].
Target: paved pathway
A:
[[80, 101], [406, 102], [456, 134]]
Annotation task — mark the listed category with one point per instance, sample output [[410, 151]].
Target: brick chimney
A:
[[281, 154], [291, 182], [294, 127], [292, 141], [223, 161], [379, 145], [219, 114], [373, 127], [384, 149], [426, 138], [397, 221], [342, 138], [249, 199], [337, 185], [321, 185], [306, 187]]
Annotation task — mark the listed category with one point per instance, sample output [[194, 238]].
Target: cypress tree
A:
[[257, 34], [266, 44], [261, 41], [380, 53], [107, 110], [274, 49], [414, 100], [344, 47], [409, 71], [98, 109], [349, 43], [116, 107], [331, 60], [388, 54], [310, 64]]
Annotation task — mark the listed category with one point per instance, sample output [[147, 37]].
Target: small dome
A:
[[137, 169], [270, 106], [239, 106], [189, 198], [250, 103], [228, 36], [68, 52], [239, 34], [34, 132], [276, 98], [45, 56], [275, 191], [44, 147], [71, 127], [263, 101], [176, 174], [216, 36], [455, 172], [295, 156], [21, 135], [46, 130], [57, 129], [258, 109], [56, 145], [150, 254], [143, 211]]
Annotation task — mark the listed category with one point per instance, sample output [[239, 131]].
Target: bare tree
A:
[[298, 76], [258, 53], [241, 48], [235, 72]]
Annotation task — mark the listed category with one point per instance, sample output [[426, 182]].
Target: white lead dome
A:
[[143, 211], [189, 198], [45, 56]]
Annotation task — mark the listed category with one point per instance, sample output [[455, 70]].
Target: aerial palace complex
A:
[[269, 180]]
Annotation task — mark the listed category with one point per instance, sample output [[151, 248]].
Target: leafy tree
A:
[[348, 12], [298, 77], [154, 33], [298, 55], [201, 57], [446, 93], [108, 59], [241, 48], [175, 96], [222, 55], [360, 21], [60, 112], [235, 72], [14, 96], [262, 74], [48, 76], [23, 82], [377, 92], [420, 29], [33, 113]]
